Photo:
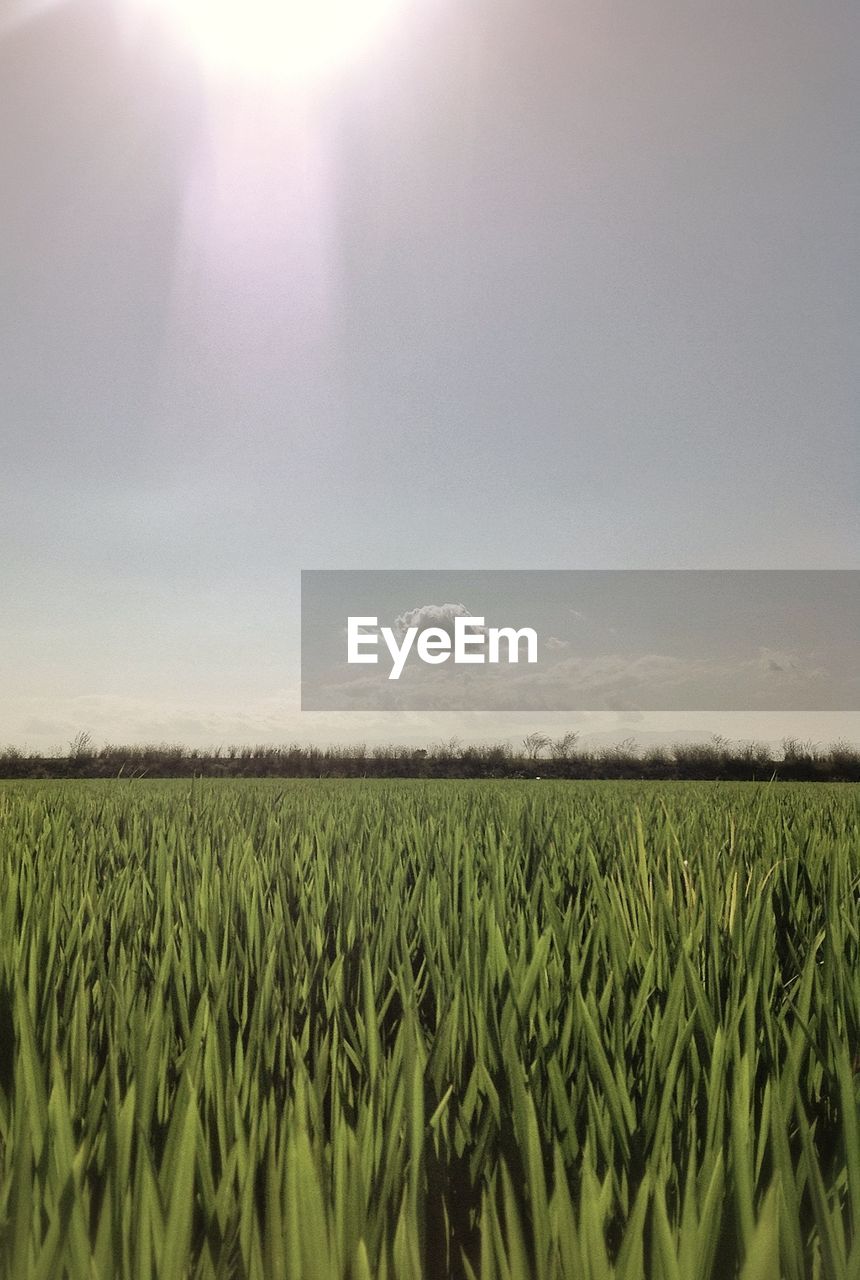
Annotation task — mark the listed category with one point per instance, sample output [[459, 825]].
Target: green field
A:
[[323, 1030]]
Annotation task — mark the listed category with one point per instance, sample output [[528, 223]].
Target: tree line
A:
[[536, 756]]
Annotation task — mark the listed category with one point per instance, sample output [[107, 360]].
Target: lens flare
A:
[[275, 40]]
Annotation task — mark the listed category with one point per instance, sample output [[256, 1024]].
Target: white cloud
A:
[[432, 615]]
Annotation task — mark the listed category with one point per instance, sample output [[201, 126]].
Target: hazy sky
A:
[[528, 284]]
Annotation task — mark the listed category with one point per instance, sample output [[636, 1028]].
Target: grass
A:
[[376, 1029]]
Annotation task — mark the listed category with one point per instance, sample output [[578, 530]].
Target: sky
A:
[[518, 284]]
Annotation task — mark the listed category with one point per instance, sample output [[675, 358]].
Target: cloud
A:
[[614, 681], [433, 615], [555, 645]]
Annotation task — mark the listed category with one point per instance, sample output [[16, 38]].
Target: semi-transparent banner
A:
[[581, 640]]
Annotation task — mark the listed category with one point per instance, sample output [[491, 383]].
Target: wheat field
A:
[[501, 1030]]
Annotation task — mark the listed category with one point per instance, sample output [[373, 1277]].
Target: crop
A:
[[343, 1030]]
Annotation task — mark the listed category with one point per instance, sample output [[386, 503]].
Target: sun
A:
[[276, 40]]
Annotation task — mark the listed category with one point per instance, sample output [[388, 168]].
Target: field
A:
[[327, 1030]]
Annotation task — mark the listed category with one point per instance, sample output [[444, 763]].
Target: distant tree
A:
[[534, 744], [81, 746], [754, 753], [563, 748], [624, 750]]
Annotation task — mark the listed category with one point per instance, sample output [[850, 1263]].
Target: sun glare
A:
[[284, 40]]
